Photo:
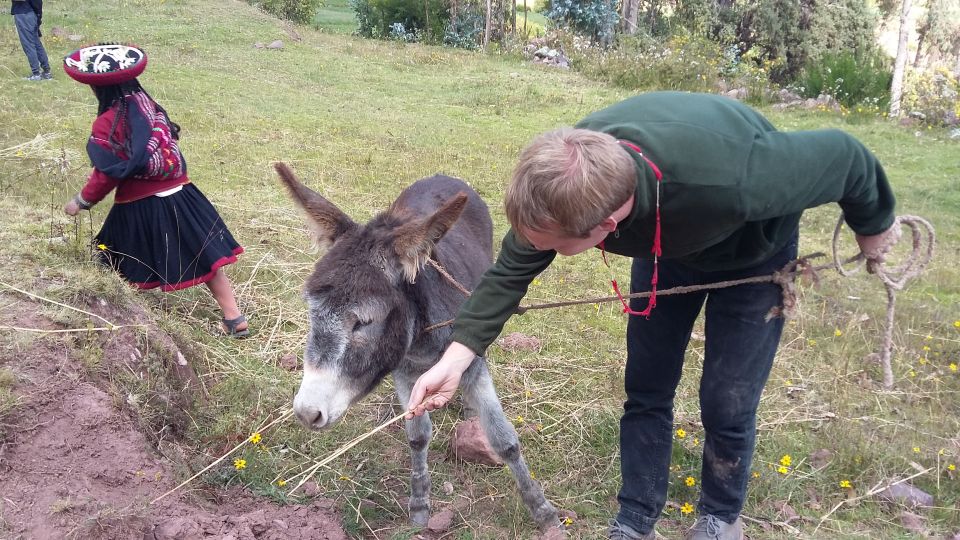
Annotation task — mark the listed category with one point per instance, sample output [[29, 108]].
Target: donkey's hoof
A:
[[557, 532], [547, 517], [420, 518]]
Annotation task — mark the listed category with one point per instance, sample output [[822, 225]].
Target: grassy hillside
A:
[[359, 120]]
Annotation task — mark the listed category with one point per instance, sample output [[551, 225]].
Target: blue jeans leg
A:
[[655, 351], [28, 31], [740, 348]]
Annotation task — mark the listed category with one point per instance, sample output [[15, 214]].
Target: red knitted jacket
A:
[[130, 189]]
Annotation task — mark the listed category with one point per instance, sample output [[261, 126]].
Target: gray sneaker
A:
[[619, 531], [710, 527], [46, 75], [35, 77]]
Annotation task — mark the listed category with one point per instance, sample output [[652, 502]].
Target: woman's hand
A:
[[71, 208], [435, 388]]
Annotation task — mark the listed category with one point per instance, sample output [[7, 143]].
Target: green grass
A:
[[359, 120], [336, 16]]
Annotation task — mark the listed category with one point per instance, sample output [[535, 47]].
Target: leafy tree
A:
[[593, 18]]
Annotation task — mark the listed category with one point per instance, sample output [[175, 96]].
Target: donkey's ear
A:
[[414, 241], [326, 220]]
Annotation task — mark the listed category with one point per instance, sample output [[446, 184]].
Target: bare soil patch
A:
[[76, 463]]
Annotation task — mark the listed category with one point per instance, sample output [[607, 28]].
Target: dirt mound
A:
[[74, 464]]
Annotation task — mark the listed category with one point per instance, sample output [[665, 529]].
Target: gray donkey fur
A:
[[370, 299]]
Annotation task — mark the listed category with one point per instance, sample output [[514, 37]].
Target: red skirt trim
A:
[[168, 287]]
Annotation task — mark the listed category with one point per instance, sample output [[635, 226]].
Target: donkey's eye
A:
[[360, 325]]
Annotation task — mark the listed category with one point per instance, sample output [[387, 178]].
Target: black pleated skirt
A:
[[171, 242]]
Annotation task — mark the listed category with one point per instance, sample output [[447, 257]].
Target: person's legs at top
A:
[[655, 352], [26, 24]]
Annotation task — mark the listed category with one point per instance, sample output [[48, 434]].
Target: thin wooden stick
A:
[[308, 473], [38, 297], [282, 417], [69, 330]]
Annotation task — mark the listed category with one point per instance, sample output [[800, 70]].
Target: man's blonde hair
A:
[[569, 180]]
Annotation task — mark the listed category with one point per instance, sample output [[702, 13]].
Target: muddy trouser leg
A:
[[655, 350], [480, 395], [418, 436], [740, 347]]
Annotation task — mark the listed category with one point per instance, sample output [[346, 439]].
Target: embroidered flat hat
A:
[[105, 64]]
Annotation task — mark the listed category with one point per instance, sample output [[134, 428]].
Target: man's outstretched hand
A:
[[435, 388], [876, 247]]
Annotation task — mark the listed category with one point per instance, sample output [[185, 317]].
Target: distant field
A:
[[337, 17]]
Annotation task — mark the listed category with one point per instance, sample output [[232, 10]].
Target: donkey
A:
[[370, 299]]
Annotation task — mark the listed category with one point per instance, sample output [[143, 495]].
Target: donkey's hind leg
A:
[[480, 395], [418, 436]]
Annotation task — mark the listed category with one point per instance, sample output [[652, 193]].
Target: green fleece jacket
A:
[[732, 193]]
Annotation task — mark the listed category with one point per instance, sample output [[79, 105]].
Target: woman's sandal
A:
[[230, 327]]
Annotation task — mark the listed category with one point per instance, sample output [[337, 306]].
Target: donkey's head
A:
[[361, 318]]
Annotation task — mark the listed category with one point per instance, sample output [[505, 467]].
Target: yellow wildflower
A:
[[102, 247], [519, 419], [837, 332], [532, 475], [845, 484], [951, 467], [956, 324], [696, 441], [788, 382], [916, 449], [786, 460], [912, 373], [681, 433], [239, 464], [811, 342], [756, 474], [953, 367], [926, 347], [256, 438], [686, 508], [281, 483], [690, 481], [923, 360], [783, 469], [344, 477], [567, 521]]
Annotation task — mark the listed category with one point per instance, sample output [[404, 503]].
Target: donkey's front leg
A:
[[418, 435], [480, 395]]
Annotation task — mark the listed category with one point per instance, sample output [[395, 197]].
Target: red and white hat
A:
[[105, 64]]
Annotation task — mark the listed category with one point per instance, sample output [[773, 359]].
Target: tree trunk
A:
[[628, 16], [525, 11], [896, 87], [486, 29], [916, 59]]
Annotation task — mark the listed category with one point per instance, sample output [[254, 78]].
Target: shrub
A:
[[644, 63], [595, 19], [421, 19], [933, 95], [465, 30], [852, 79], [298, 11]]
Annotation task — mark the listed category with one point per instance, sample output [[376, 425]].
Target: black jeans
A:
[[740, 346]]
